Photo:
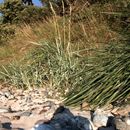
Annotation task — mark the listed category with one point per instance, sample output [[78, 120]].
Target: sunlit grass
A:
[[70, 55]]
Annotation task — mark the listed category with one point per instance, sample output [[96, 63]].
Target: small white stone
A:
[[100, 118], [128, 121]]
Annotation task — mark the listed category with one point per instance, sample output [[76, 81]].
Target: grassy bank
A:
[[82, 55]]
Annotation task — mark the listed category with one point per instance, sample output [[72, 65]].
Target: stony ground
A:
[[22, 109]]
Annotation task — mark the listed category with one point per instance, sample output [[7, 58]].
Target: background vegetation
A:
[[78, 49]]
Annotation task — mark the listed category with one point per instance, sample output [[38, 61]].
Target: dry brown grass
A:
[[89, 31]]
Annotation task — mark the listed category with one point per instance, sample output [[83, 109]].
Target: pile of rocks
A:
[[23, 108], [63, 119], [34, 110]]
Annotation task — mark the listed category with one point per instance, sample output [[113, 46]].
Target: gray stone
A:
[[127, 120], [43, 127], [26, 113], [107, 128], [6, 125], [28, 99], [1, 126], [99, 118], [120, 125], [3, 98], [83, 123], [7, 94], [5, 110]]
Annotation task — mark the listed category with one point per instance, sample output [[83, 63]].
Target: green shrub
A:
[[13, 11]]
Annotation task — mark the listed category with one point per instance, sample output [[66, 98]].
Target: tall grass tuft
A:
[[107, 78]]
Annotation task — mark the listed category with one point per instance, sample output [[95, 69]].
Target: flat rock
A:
[[26, 113], [5, 110], [4, 119], [121, 124]]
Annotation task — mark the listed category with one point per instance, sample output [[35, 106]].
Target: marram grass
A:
[[108, 81], [100, 79]]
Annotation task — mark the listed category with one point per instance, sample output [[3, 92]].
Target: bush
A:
[[13, 11]]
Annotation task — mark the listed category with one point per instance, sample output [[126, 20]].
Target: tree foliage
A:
[[14, 11]]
